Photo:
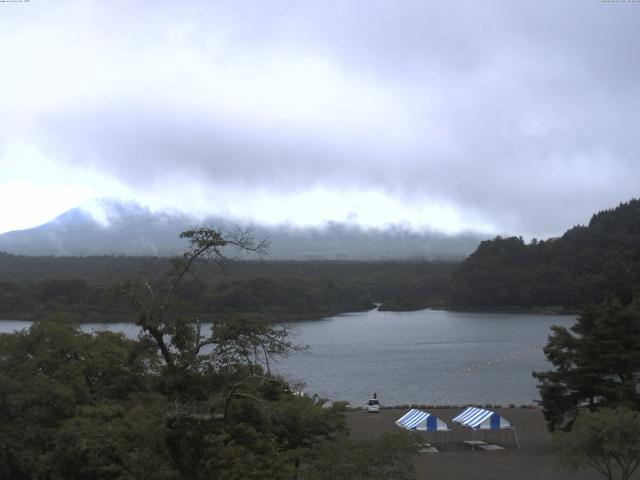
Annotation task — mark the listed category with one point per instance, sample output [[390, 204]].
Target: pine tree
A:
[[596, 363]]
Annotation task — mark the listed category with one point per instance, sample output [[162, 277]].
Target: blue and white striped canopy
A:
[[481, 419], [422, 421]]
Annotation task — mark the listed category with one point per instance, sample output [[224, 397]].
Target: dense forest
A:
[[35, 287], [163, 406], [583, 266], [177, 403]]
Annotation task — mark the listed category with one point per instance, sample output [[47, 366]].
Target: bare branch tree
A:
[[175, 327]]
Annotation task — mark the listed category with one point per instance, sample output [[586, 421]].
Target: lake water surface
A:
[[427, 356]]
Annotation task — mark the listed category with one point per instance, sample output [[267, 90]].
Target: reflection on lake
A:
[[428, 356]]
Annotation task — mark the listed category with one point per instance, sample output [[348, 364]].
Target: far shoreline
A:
[[108, 318]]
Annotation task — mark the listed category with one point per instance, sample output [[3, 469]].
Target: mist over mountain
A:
[[108, 227]]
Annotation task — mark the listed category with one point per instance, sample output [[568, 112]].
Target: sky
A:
[[502, 117]]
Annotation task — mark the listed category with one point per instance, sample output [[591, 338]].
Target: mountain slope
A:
[[110, 227], [103, 228], [583, 266]]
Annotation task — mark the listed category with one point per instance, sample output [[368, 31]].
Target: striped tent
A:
[[481, 419], [421, 421]]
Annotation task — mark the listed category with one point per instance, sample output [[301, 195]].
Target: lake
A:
[[427, 356]]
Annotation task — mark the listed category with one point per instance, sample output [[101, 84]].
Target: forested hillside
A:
[[37, 287], [179, 402], [583, 266]]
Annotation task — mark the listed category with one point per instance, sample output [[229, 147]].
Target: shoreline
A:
[[454, 406], [536, 310], [102, 317], [535, 459]]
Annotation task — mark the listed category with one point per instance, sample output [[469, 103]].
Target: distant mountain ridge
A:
[[108, 227]]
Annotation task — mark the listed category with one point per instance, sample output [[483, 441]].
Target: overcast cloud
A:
[[514, 117]]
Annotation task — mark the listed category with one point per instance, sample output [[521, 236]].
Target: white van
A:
[[373, 405]]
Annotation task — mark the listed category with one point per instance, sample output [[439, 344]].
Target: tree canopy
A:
[[177, 403], [584, 266], [36, 287], [607, 441], [596, 362]]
